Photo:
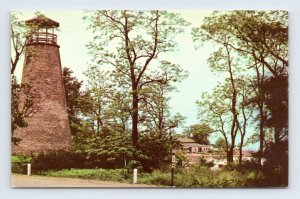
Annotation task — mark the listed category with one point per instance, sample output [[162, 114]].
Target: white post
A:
[[134, 176], [28, 169]]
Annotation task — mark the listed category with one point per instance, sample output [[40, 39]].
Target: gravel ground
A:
[[19, 181]]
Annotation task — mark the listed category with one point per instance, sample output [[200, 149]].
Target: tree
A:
[[157, 126], [223, 60], [78, 101], [199, 132], [246, 111], [260, 39], [20, 108], [221, 143], [228, 104], [99, 88], [215, 110], [276, 89], [19, 34], [259, 35], [131, 42], [155, 113], [259, 101]]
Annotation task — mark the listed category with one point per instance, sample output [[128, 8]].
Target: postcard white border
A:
[[293, 6]]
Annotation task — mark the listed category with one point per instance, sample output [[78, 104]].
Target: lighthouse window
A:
[[28, 60]]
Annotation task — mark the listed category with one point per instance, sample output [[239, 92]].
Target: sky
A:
[[73, 38]]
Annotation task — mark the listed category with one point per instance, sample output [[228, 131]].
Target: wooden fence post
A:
[[28, 169], [134, 176]]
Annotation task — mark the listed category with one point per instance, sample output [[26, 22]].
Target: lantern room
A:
[[43, 30]]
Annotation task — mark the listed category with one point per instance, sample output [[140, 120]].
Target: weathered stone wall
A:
[[48, 126]]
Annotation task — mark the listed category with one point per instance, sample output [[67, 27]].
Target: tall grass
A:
[[202, 177]]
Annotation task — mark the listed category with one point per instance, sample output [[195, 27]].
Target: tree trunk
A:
[[261, 133], [277, 134], [230, 154], [135, 115], [241, 150]]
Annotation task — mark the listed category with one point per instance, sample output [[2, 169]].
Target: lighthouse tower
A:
[[48, 126]]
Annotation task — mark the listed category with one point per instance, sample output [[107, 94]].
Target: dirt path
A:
[[43, 181]]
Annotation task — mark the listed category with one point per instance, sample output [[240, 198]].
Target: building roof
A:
[[42, 22], [191, 145], [188, 140], [247, 153]]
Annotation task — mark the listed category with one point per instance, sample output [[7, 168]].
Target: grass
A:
[[197, 176], [119, 175], [202, 177]]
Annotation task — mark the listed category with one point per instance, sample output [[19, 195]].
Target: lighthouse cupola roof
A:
[[42, 22], [43, 31]]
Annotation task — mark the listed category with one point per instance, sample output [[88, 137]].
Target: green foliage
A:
[[20, 110], [276, 89], [252, 34], [133, 164], [156, 177], [110, 151], [57, 160], [276, 165], [249, 44], [19, 35], [119, 175], [249, 174], [220, 144], [199, 132], [75, 99], [131, 42], [256, 42], [154, 151], [19, 163], [104, 110], [180, 158], [203, 162], [202, 177]]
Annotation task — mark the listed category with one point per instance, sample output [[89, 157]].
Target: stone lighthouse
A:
[[48, 126]]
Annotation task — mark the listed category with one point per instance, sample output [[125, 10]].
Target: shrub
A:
[[19, 163], [57, 160], [120, 175], [133, 164], [276, 166], [156, 177]]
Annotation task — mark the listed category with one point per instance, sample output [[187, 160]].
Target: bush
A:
[[57, 160], [249, 166], [120, 175], [156, 177], [19, 163], [133, 164], [276, 166]]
